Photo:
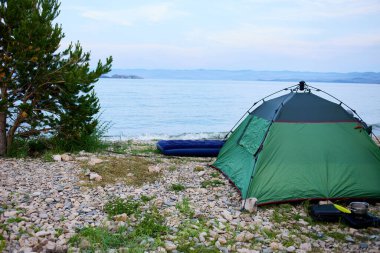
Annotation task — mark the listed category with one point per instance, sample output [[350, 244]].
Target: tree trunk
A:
[[3, 134], [3, 121]]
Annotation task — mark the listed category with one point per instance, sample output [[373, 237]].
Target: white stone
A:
[[94, 160], [36, 194], [249, 204], [57, 158], [222, 240], [66, 158], [154, 169], [201, 173], [95, 176], [202, 236], [42, 233], [244, 236], [49, 200], [274, 245], [305, 246], [291, 249], [161, 250], [10, 214], [120, 217], [227, 215], [244, 250], [50, 247], [170, 245]]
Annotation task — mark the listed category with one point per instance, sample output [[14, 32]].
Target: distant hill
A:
[[250, 75], [122, 76]]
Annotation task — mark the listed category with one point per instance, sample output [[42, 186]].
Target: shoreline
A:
[[44, 204]]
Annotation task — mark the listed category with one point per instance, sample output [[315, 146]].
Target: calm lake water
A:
[[155, 109]]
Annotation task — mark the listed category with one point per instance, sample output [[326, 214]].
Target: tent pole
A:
[[256, 155], [258, 101]]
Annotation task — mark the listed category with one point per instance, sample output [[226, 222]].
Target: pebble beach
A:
[[46, 203]]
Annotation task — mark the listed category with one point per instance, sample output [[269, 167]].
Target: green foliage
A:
[[336, 235], [269, 233], [15, 220], [120, 206], [44, 90], [192, 248], [199, 168], [214, 174], [145, 198], [101, 238], [184, 208], [177, 187], [151, 225], [58, 232], [45, 147], [191, 229], [3, 243], [211, 183]]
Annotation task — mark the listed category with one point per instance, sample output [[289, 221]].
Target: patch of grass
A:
[[184, 208], [132, 238], [211, 183], [269, 233], [59, 232], [198, 169], [191, 229], [145, 150], [151, 224], [193, 248], [120, 146], [48, 157], [297, 216], [336, 235], [116, 169], [120, 206], [38, 146], [172, 168], [100, 238], [177, 187], [15, 220], [214, 174], [289, 242], [19, 148], [3, 243], [146, 199], [277, 217]]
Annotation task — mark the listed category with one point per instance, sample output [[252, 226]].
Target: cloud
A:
[[284, 41], [306, 9], [152, 13]]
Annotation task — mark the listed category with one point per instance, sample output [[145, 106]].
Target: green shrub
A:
[[177, 187], [145, 198], [151, 224], [120, 206], [184, 208], [199, 168], [211, 183]]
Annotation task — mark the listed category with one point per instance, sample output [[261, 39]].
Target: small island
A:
[[122, 76]]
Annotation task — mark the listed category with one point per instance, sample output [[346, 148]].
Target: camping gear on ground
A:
[[205, 148], [342, 209], [301, 146], [330, 213], [363, 221], [325, 213], [359, 208]]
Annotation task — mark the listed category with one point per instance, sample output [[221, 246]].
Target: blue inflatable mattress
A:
[[208, 148]]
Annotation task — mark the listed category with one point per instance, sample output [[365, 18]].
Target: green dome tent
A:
[[300, 146]]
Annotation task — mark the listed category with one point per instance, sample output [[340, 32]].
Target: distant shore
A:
[[248, 75]]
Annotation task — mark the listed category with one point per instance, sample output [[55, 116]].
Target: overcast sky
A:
[[304, 35]]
